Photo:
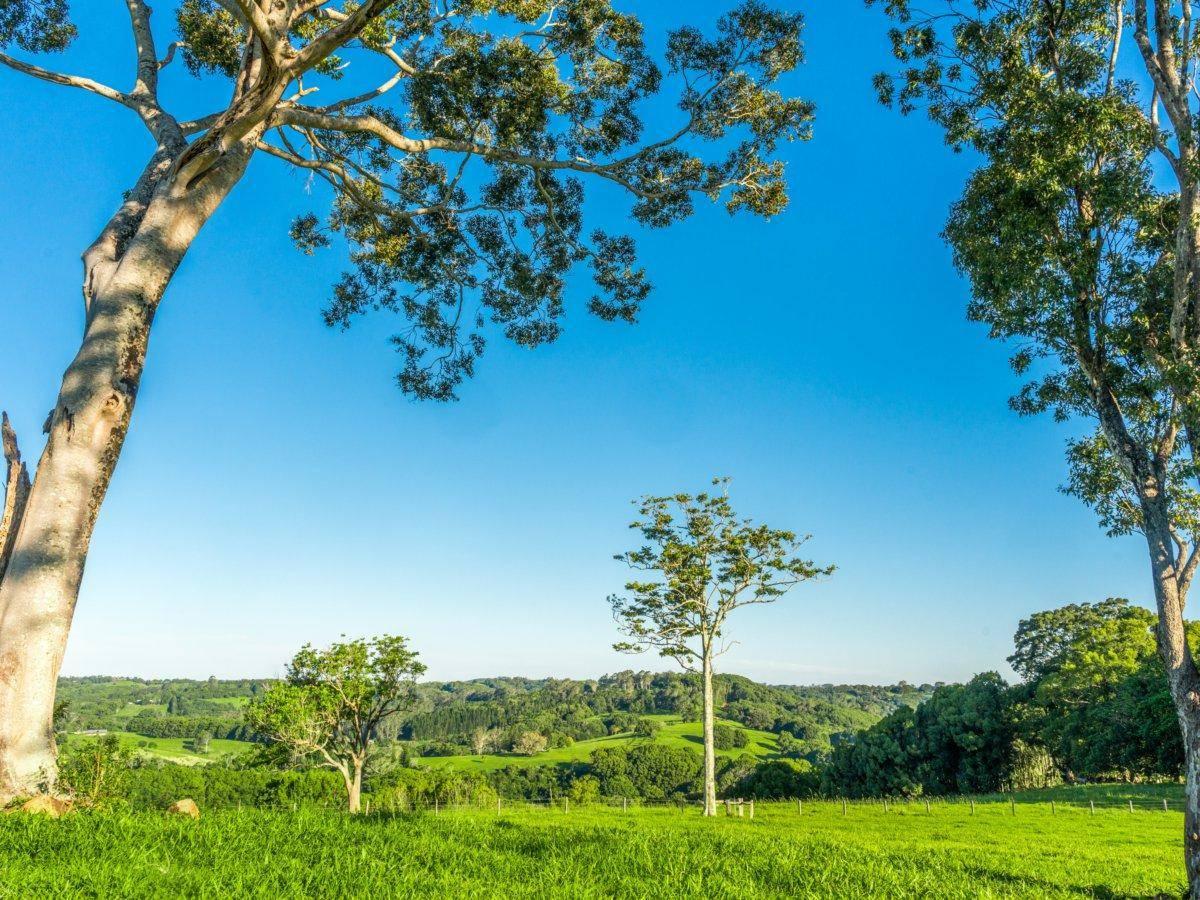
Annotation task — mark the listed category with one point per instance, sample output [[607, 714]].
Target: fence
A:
[[799, 807]]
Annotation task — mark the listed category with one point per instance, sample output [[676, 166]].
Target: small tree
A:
[[482, 740], [329, 707], [202, 740], [530, 743], [711, 563], [647, 728]]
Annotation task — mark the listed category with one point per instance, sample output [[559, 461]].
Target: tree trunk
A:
[[710, 757], [1182, 675], [354, 788], [126, 272]]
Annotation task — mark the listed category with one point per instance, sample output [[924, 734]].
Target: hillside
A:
[[162, 716]]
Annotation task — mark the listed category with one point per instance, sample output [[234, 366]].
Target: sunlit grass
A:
[[950, 851]]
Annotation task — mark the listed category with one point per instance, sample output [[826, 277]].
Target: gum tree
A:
[[710, 562], [456, 143], [1080, 234], [328, 709]]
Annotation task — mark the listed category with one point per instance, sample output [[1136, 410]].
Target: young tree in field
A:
[[328, 708], [1080, 233], [530, 743], [481, 740], [454, 143], [709, 562]]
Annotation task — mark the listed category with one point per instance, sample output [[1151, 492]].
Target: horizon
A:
[[277, 489]]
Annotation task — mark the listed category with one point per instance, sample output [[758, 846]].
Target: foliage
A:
[[459, 183], [711, 562], [647, 728], [958, 741], [585, 789], [327, 710], [779, 779], [652, 771], [94, 771], [530, 743]]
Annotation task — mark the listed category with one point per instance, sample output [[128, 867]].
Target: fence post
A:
[[437, 806], [1052, 809], [972, 806], [1131, 805], [926, 806], [843, 806], [741, 808], [566, 804], [1012, 801], [367, 806], [727, 812], [1092, 807], [625, 804], [752, 809], [1165, 808]]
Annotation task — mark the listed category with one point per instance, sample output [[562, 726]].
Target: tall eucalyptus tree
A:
[[456, 141], [1080, 234], [705, 562]]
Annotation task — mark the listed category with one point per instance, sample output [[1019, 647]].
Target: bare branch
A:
[[250, 12], [16, 492], [76, 81], [143, 39]]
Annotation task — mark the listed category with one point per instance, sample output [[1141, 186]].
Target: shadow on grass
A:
[[1099, 891]]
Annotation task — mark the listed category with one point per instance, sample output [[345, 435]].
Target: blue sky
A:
[[277, 488]]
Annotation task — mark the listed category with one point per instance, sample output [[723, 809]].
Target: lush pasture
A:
[[673, 733], [173, 749], [602, 851]]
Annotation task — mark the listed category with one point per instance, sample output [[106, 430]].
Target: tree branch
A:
[[367, 124], [143, 39], [76, 81], [252, 15], [341, 33], [16, 492]]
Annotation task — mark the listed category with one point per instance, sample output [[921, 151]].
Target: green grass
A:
[[172, 749], [674, 733], [601, 852]]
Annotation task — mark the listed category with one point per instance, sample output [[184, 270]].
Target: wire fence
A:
[[749, 807]]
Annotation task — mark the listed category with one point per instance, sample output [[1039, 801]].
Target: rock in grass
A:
[[185, 807], [46, 805]]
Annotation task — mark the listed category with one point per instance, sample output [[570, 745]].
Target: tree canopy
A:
[[711, 562], [456, 142]]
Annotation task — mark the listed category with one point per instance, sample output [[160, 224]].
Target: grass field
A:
[[674, 733], [172, 749], [603, 852]]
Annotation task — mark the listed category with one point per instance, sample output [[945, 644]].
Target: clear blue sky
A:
[[277, 488]]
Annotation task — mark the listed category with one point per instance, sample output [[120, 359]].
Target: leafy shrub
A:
[[94, 771], [584, 790]]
